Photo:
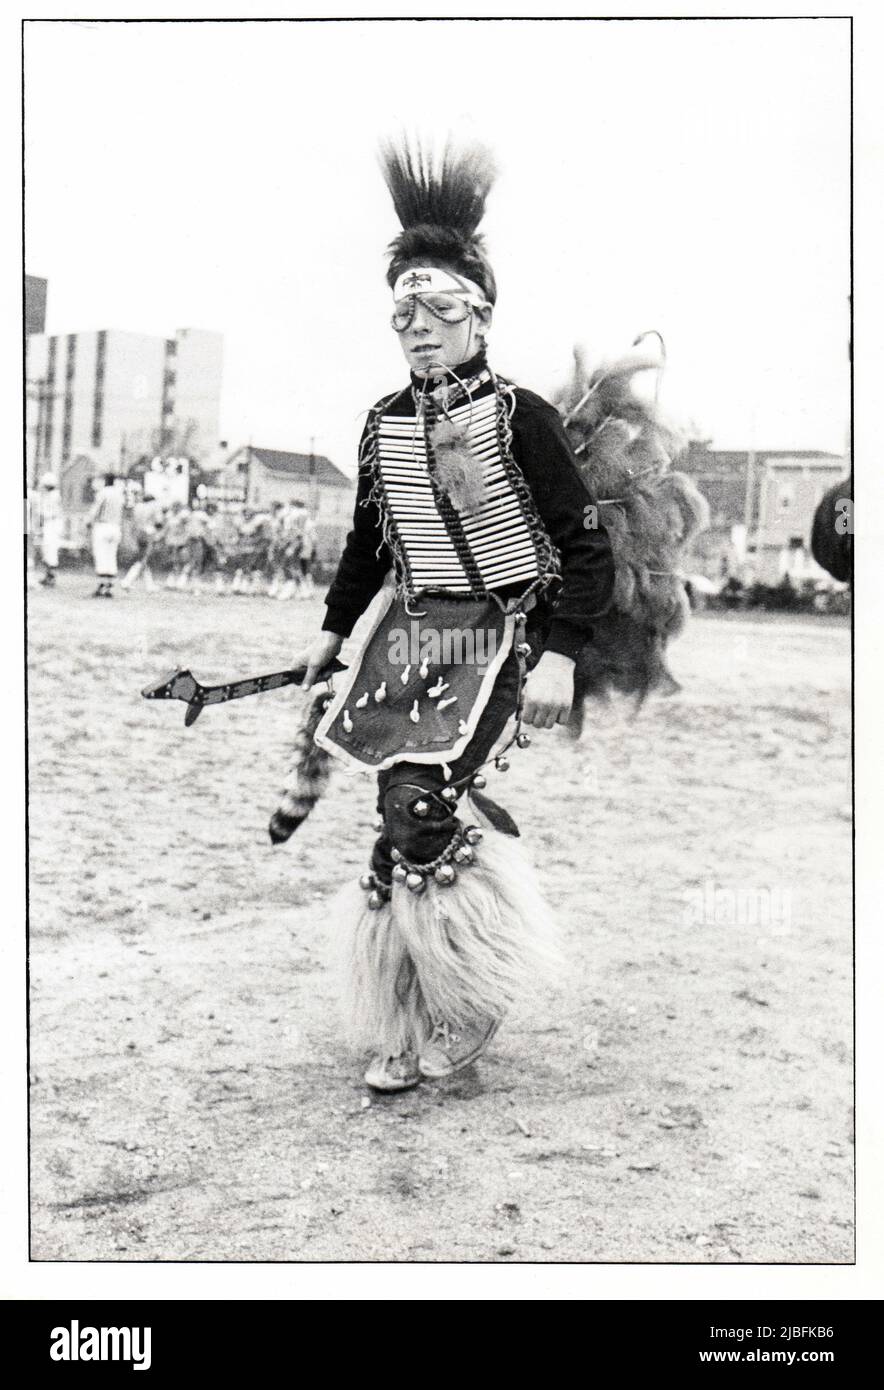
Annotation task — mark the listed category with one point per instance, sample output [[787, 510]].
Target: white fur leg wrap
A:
[[463, 954], [383, 1003], [485, 941]]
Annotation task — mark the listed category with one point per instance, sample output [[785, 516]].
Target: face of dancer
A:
[[430, 341]]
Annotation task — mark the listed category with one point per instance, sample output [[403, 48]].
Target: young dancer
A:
[[469, 493]]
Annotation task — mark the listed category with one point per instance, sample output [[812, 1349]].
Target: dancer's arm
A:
[[361, 570], [566, 507]]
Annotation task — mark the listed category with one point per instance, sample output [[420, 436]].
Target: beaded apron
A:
[[418, 687]]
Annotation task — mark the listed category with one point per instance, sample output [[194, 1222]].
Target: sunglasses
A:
[[449, 308]]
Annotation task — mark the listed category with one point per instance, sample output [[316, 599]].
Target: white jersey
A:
[[108, 506]]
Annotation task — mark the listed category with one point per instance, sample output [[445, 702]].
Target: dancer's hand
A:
[[323, 650], [549, 691]]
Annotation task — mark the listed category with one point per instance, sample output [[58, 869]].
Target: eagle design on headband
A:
[[430, 279]]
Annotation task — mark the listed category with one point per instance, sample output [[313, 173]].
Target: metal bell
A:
[[421, 808], [400, 873], [395, 854], [523, 740], [523, 648], [472, 834], [448, 793], [415, 881], [479, 781], [367, 881], [463, 854], [520, 616], [375, 900], [502, 764], [378, 822], [445, 874]]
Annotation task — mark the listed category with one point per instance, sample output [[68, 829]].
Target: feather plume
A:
[[456, 471]]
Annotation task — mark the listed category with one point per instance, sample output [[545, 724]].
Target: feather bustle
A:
[[651, 512]]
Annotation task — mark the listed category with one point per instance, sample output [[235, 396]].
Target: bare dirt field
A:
[[685, 1097]]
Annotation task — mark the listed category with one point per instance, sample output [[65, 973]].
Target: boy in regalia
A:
[[469, 493]]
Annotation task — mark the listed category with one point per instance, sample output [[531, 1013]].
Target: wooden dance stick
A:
[[182, 685]]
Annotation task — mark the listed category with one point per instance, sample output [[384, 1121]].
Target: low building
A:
[[761, 504]]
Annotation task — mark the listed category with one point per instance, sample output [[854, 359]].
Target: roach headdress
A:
[[440, 202]]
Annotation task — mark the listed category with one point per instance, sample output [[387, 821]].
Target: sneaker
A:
[[393, 1073], [449, 1050]]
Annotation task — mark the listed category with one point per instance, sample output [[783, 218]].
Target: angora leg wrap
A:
[[382, 997], [485, 941]]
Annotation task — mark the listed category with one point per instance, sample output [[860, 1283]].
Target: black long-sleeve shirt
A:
[[541, 449]]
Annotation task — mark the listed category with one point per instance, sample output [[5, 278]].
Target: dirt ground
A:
[[685, 1097]]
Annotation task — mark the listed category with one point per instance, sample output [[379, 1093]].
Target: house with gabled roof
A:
[[265, 476]]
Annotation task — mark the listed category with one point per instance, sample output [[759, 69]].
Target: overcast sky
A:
[[691, 177]]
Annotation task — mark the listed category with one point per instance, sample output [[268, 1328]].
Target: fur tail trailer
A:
[[651, 512], [307, 777]]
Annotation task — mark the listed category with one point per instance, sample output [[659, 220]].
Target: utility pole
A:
[[748, 505], [314, 489]]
